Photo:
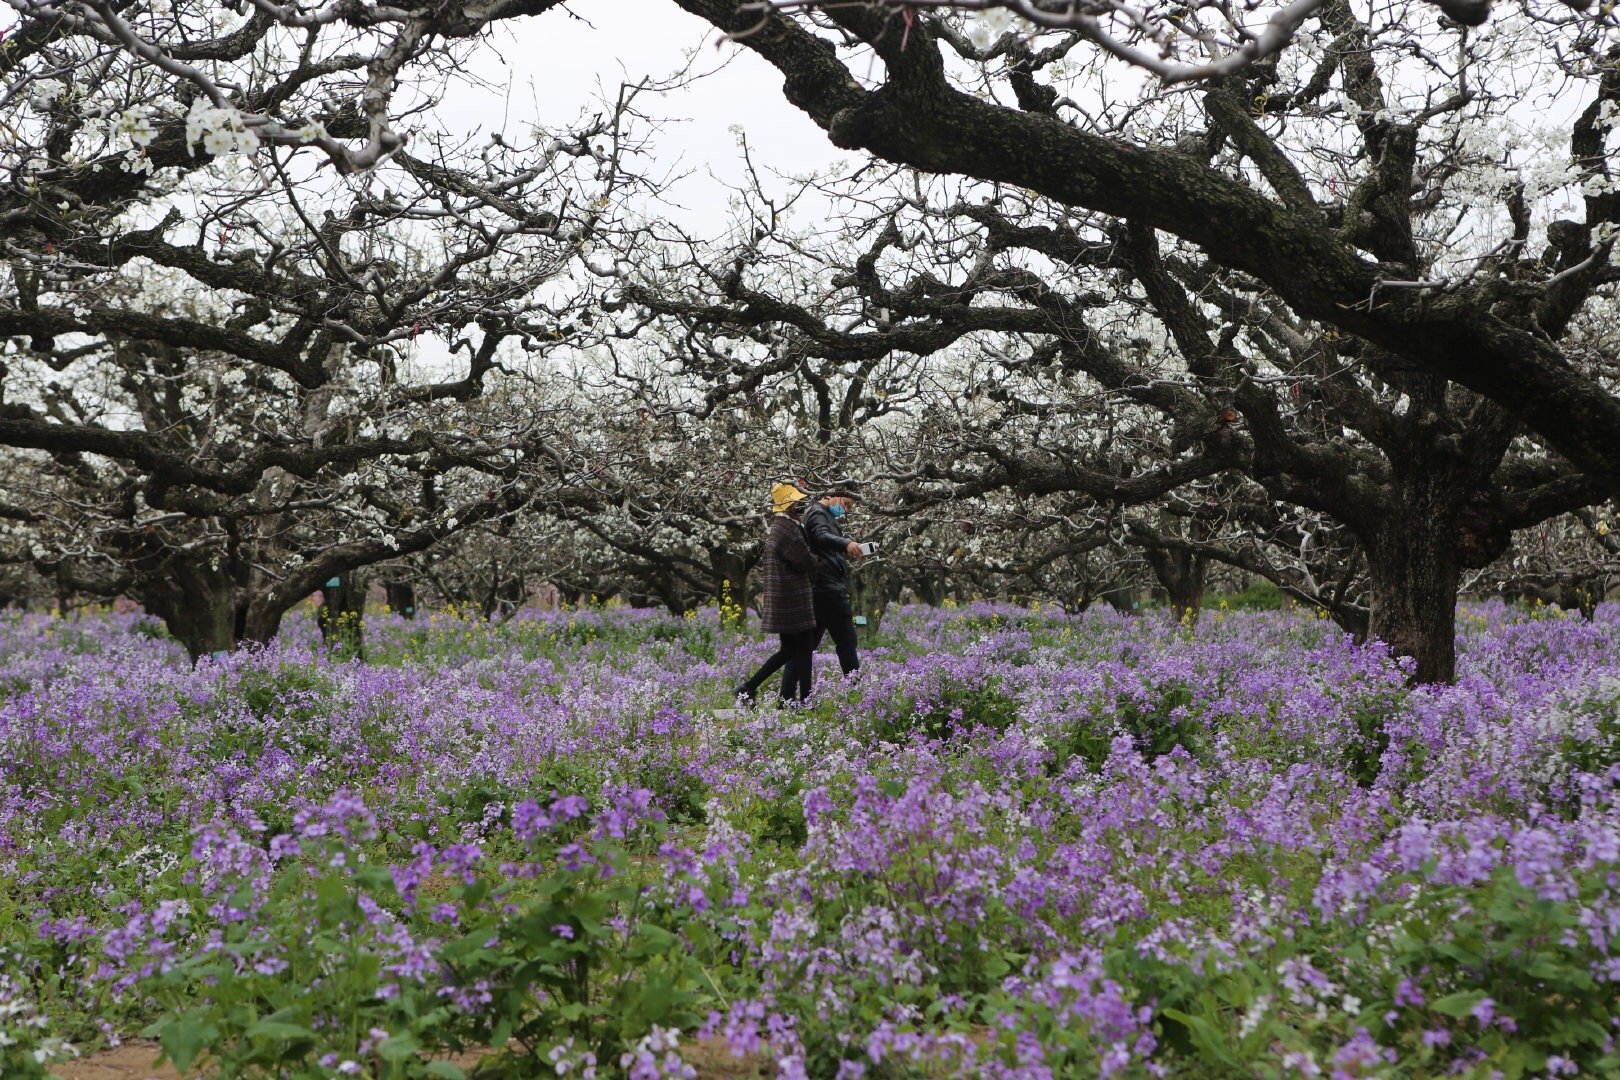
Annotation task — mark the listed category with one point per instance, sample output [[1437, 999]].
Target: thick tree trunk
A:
[[342, 615], [261, 621], [197, 604], [1414, 573]]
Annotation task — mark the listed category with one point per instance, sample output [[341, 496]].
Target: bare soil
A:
[[135, 1061]]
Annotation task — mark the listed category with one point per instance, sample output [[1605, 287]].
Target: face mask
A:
[[836, 510]]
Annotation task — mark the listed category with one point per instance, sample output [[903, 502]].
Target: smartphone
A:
[[869, 549]]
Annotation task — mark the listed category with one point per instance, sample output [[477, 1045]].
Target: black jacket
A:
[[831, 546]]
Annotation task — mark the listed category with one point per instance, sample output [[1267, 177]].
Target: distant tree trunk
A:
[[1124, 598], [487, 606], [675, 598], [1183, 575], [930, 590], [869, 594], [506, 595], [1582, 596], [342, 614], [730, 568], [401, 598]]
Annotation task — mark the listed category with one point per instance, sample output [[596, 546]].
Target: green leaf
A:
[[657, 995], [1466, 957], [444, 1069], [657, 938], [1459, 1004], [399, 1047], [279, 1030], [183, 1039], [243, 897], [1548, 969], [1522, 1059], [1205, 1036]]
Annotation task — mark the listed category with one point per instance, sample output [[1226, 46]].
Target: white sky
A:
[[551, 68]]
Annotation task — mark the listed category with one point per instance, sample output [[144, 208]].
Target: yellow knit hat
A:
[[784, 496]]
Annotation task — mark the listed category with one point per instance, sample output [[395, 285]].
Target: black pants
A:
[[833, 616], [793, 660]]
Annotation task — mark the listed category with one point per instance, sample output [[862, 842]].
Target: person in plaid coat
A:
[[789, 610]]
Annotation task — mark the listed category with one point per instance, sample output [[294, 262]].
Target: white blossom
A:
[[220, 130], [136, 123]]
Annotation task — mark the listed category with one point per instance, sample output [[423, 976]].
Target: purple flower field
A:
[[1024, 844]]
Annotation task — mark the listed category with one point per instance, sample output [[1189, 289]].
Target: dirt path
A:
[[134, 1061]]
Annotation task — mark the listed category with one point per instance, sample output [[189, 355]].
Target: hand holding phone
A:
[[868, 549]]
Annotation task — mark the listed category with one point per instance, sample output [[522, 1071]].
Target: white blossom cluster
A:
[[220, 131], [22, 1025]]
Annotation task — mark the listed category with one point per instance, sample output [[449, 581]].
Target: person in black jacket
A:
[[830, 584]]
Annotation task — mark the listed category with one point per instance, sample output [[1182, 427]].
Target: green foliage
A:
[[1506, 968], [680, 793], [949, 709], [1156, 721], [782, 821], [901, 860], [1165, 721], [1364, 751], [1495, 967], [289, 692], [1260, 594], [577, 957], [151, 629], [28, 1044], [1595, 746]]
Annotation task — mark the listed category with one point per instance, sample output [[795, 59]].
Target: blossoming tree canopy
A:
[[255, 342], [1336, 178], [1335, 311]]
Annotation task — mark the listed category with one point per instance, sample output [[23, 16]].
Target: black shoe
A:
[[745, 697]]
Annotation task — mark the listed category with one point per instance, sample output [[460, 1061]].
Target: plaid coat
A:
[[788, 565]]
